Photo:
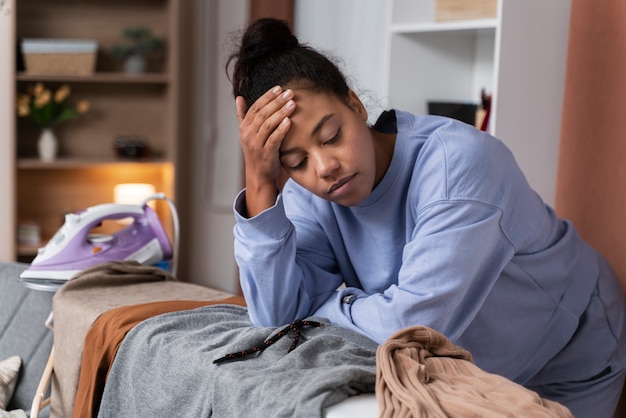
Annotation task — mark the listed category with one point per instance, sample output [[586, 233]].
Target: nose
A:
[[325, 164]]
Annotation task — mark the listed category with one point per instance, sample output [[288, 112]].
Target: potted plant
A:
[[47, 109], [138, 41]]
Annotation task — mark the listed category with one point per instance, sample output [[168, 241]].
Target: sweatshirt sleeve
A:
[[456, 254], [272, 271]]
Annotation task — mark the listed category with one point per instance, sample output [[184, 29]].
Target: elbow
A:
[[269, 317]]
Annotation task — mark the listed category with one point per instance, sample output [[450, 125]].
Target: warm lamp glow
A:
[[133, 193]]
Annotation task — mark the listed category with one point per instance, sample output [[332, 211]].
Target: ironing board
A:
[[363, 406], [78, 303], [40, 401]]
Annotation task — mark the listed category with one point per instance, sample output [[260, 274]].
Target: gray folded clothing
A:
[[165, 367]]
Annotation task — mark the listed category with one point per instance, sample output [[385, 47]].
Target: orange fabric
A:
[[106, 335], [591, 182]]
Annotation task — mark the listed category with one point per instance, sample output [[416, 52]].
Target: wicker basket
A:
[[59, 57], [465, 9]]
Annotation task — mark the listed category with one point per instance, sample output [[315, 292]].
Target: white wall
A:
[[7, 126], [216, 163], [353, 33], [532, 70]]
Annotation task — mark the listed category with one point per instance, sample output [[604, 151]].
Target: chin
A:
[[350, 201]]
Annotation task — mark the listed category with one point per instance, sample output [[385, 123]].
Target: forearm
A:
[[260, 196], [269, 276]]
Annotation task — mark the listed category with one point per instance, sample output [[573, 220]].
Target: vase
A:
[[135, 64], [47, 145]]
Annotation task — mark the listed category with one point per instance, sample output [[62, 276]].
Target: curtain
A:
[[591, 180]]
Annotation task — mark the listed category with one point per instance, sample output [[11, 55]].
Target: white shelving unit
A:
[[429, 60], [518, 57]]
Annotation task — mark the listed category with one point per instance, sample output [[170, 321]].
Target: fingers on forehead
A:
[[266, 98]]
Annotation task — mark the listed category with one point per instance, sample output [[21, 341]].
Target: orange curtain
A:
[[591, 182]]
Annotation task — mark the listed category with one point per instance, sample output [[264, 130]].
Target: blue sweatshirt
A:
[[452, 238]]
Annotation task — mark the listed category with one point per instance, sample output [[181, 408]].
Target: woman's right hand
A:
[[262, 129]]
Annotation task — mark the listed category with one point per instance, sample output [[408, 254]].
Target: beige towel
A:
[[80, 301], [420, 373]]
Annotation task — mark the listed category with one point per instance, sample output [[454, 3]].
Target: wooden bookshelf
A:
[[144, 105]]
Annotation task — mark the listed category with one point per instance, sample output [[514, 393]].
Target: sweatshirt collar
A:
[[390, 121]]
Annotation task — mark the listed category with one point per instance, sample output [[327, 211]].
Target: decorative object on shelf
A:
[[4, 7], [465, 9], [465, 112], [47, 110], [28, 233], [139, 41], [486, 110], [47, 145], [131, 147], [59, 56]]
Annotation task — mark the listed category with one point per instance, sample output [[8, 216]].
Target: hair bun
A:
[[266, 37], [268, 54]]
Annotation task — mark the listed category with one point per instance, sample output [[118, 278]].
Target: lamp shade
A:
[[132, 193]]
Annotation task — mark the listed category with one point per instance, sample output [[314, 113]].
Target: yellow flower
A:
[[43, 98], [23, 109], [38, 89], [83, 106], [62, 93], [23, 99], [47, 109], [23, 104]]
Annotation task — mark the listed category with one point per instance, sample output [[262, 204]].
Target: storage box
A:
[[465, 9], [59, 56]]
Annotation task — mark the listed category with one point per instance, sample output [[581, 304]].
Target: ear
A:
[[240, 107], [355, 104]]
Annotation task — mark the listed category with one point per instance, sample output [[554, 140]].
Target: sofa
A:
[[23, 332]]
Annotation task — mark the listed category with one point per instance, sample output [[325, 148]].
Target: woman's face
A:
[[329, 149]]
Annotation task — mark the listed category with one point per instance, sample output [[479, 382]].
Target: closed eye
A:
[[334, 139], [298, 166], [302, 163]]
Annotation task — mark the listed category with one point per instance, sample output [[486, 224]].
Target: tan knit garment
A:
[[420, 373]]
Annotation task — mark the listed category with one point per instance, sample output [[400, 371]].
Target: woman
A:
[[417, 220]]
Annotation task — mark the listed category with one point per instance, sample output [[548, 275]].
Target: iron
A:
[[74, 247]]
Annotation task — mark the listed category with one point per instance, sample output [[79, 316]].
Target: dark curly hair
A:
[[269, 55]]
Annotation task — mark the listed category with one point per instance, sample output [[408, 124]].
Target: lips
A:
[[337, 187]]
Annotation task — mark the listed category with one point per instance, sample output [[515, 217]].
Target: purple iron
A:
[[74, 248]]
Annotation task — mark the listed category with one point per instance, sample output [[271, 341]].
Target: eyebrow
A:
[[321, 123], [314, 132]]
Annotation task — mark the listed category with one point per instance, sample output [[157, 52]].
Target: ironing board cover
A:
[[86, 296]]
